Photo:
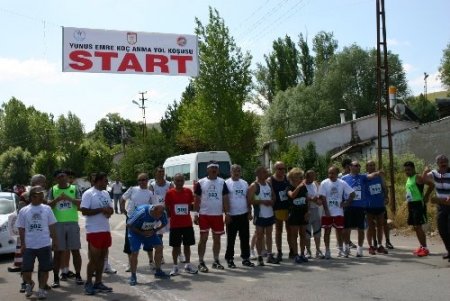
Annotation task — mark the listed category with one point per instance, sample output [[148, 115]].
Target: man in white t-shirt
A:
[[314, 226], [132, 198], [36, 224], [211, 199], [97, 207], [116, 190], [331, 193], [240, 214]]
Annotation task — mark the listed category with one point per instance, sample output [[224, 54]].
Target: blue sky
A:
[[30, 52]]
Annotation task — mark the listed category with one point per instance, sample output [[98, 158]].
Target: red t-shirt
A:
[[178, 205]]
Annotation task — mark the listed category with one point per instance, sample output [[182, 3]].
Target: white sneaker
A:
[[341, 253], [109, 270], [319, 255], [181, 258], [359, 251], [327, 254], [174, 271], [252, 255], [29, 289], [347, 251], [188, 268], [42, 294], [128, 269]]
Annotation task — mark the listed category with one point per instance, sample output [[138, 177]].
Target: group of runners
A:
[[291, 200]]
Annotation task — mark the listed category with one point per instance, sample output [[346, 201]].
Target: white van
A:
[[193, 166]]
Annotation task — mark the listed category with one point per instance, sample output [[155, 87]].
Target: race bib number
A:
[[150, 225], [357, 195], [375, 189], [35, 227], [182, 209], [64, 205], [159, 199], [333, 203], [299, 201], [283, 196], [239, 192]]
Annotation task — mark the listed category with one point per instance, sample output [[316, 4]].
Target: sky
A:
[[31, 52]]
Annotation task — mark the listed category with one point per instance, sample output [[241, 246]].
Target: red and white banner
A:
[[112, 51]]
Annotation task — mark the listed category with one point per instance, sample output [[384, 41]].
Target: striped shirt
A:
[[441, 182]]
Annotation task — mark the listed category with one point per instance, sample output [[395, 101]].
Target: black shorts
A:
[[376, 211], [264, 221], [354, 217], [44, 256], [417, 214], [181, 235], [297, 216]]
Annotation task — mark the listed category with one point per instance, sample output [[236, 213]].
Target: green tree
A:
[[324, 46], [423, 108], [15, 167], [46, 163], [444, 68], [15, 125], [306, 61], [109, 129], [215, 119], [98, 156]]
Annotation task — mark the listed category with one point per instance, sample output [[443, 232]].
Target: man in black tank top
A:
[[279, 184]]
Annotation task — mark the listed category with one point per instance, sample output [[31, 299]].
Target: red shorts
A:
[[213, 222], [333, 221], [99, 240]]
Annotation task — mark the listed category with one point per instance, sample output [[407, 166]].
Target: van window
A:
[[171, 171], [224, 169]]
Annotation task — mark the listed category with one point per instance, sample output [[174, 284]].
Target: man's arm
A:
[[430, 186]]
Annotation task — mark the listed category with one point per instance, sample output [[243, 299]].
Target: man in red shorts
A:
[[211, 199], [97, 207], [178, 202], [331, 193]]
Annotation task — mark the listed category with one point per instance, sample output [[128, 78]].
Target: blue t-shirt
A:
[[358, 183], [142, 219], [374, 193]]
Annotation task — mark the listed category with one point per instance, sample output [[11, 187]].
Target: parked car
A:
[[8, 206]]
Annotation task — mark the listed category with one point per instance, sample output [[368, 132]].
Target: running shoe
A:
[[272, 260], [109, 270], [319, 255], [327, 254], [181, 258], [359, 252], [55, 283], [63, 277], [29, 289], [100, 287], [188, 268], [23, 287], [161, 274], [352, 245], [231, 264], [372, 250], [71, 274], [128, 269], [303, 258], [42, 294], [78, 280], [389, 245], [347, 252], [253, 255], [297, 259], [202, 267], [247, 263], [342, 253], [133, 280], [416, 251], [381, 250], [14, 269], [260, 261], [423, 252], [89, 288], [175, 271], [217, 265]]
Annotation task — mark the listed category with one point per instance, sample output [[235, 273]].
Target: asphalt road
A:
[[396, 276]]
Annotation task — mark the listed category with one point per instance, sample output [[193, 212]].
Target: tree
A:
[[281, 70], [46, 163], [15, 125], [423, 108], [324, 46], [15, 166], [444, 68], [109, 129], [215, 119], [306, 62]]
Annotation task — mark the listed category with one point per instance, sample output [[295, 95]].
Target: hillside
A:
[[440, 94]]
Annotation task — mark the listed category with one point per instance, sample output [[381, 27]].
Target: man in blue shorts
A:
[[143, 226]]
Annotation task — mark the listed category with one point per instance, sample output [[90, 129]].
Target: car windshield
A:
[[6, 206]]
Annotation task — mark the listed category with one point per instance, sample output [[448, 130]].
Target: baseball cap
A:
[[36, 189], [212, 163]]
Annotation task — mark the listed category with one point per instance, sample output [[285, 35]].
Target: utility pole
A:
[[383, 93], [425, 87], [142, 107]]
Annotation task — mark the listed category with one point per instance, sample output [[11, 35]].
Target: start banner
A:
[[113, 51]]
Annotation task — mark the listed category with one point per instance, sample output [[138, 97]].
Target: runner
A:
[[279, 183], [159, 186], [417, 202], [298, 212], [134, 197], [262, 197], [178, 202], [331, 192], [355, 212], [36, 224], [97, 207], [314, 227], [377, 198], [346, 164], [143, 226], [211, 199], [441, 179], [240, 214], [64, 199]]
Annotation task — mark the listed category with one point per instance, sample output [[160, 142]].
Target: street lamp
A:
[[142, 107]]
